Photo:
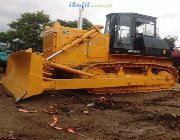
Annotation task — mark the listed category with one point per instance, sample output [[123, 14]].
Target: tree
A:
[[171, 40], [6, 37], [73, 24], [3, 37], [27, 30], [86, 24]]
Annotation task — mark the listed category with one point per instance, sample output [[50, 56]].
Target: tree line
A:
[[26, 31]]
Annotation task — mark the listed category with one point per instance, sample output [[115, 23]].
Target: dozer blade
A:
[[23, 77]]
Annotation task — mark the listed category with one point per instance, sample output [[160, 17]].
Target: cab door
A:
[[123, 38]]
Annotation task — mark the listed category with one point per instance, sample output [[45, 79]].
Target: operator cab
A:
[[132, 33]]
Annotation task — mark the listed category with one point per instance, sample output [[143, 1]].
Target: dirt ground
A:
[[154, 116]]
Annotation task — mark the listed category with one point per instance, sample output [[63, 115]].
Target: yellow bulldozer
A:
[[126, 58]]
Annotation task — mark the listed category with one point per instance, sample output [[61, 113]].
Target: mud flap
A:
[[23, 76]]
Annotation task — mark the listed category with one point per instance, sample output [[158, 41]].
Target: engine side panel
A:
[[93, 49]]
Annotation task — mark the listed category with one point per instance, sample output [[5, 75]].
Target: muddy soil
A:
[[154, 116]]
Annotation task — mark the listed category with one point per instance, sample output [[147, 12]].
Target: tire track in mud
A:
[[168, 121], [171, 95], [159, 101]]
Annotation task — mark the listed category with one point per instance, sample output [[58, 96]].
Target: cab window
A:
[[123, 30], [145, 27]]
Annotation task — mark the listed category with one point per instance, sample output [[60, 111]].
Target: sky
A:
[[166, 11]]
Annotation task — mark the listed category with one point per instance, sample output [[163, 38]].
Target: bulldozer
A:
[[127, 58]]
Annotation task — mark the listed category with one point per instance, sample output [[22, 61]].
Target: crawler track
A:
[[153, 77]]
